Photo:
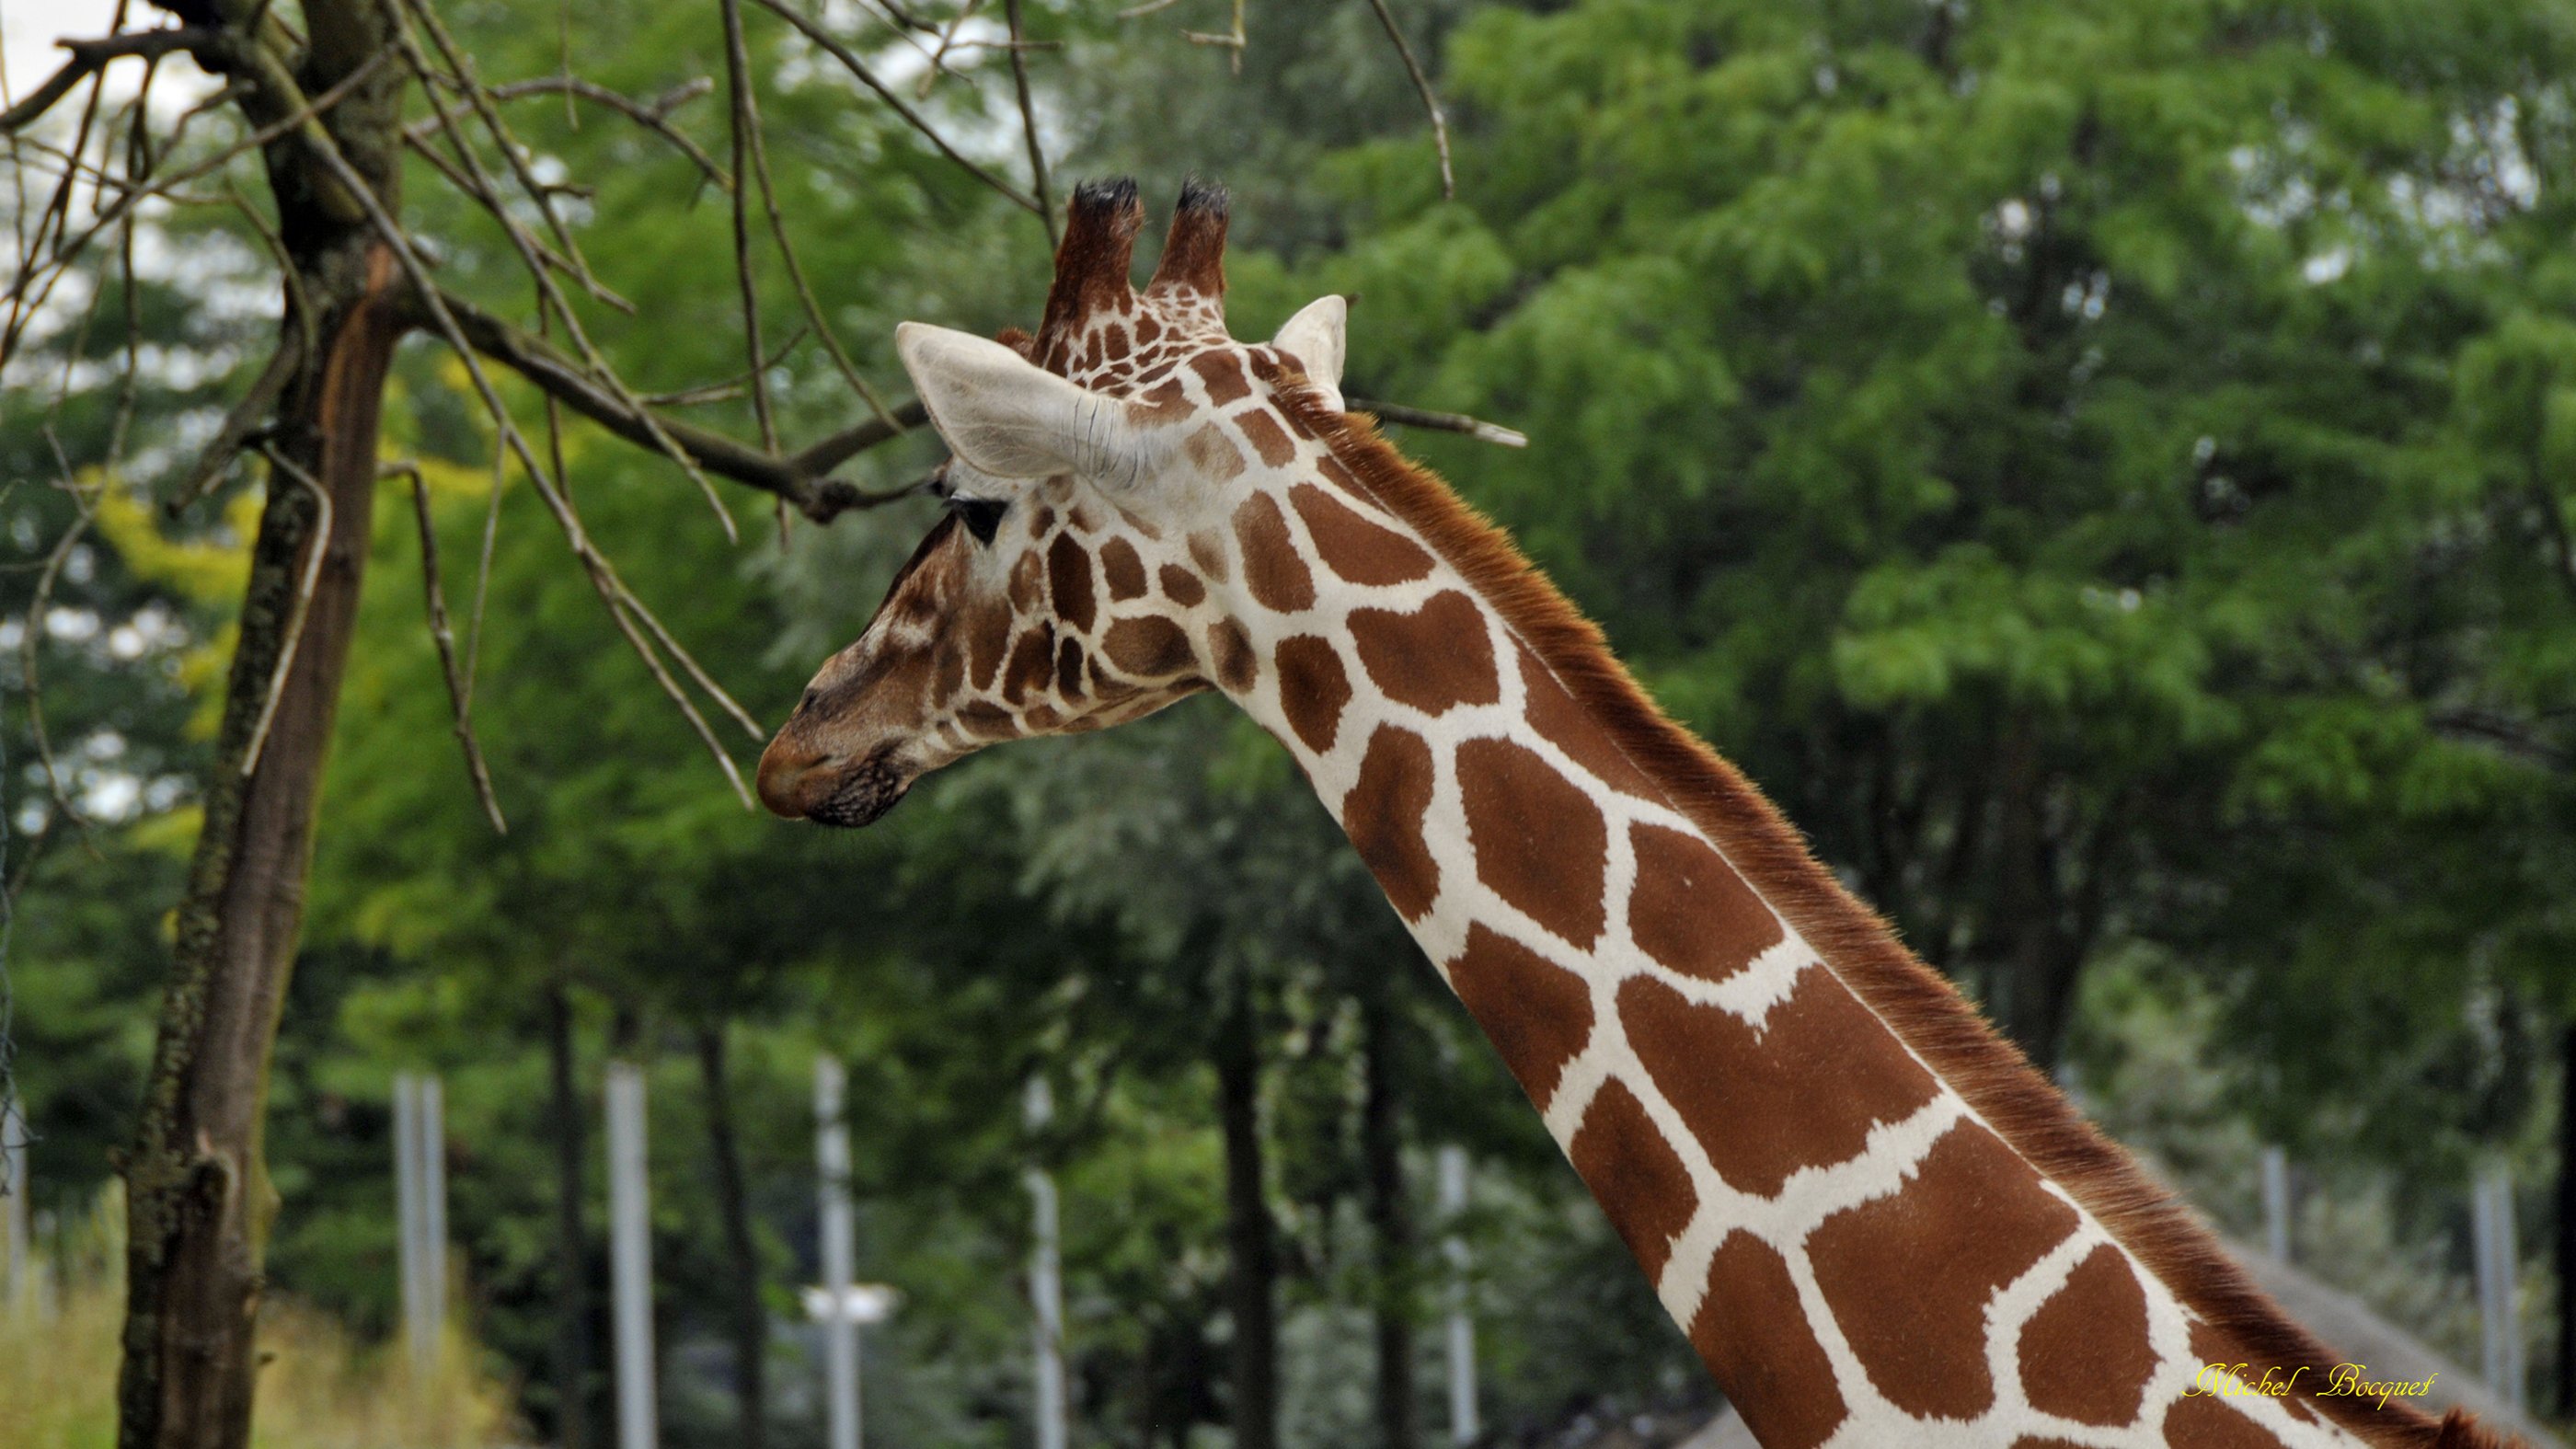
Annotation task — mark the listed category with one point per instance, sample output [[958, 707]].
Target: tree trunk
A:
[[748, 1319], [1252, 1265], [2567, 1225], [1390, 1225], [572, 1244], [198, 1200]]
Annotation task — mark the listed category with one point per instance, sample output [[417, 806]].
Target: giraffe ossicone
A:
[[1873, 1221]]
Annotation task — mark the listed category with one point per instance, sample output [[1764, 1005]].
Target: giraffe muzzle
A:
[[827, 792]]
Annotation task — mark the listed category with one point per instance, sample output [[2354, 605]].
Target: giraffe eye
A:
[[982, 516]]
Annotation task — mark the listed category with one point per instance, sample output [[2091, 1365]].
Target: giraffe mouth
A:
[[865, 794]]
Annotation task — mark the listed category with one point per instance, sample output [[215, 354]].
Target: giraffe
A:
[[1875, 1223]]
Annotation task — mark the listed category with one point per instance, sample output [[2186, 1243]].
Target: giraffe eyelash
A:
[[982, 516]]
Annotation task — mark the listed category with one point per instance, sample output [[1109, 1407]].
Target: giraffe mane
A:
[[1858, 945]]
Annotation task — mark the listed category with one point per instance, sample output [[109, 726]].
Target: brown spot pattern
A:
[[1069, 582], [1561, 722], [1752, 1332], [1312, 689], [1756, 1100], [1235, 666], [1181, 586], [986, 720], [1213, 452], [1536, 1013], [1223, 376], [984, 647], [1382, 814], [1068, 669], [1032, 663], [1028, 574], [2205, 1421], [2084, 1354], [1433, 658], [1908, 1275], [1147, 647], [1207, 550], [1125, 571], [1691, 911], [1639, 1179], [1271, 568], [1540, 843], [1352, 546], [1266, 436]]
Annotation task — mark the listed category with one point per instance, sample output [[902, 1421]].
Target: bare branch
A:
[[867, 77], [1029, 123], [1430, 102], [745, 129], [304, 585], [653, 116], [247, 417], [92, 55], [1477, 428], [458, 700]]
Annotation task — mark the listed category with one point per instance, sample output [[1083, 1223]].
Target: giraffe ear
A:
[[1003, 414], [1315, 337]]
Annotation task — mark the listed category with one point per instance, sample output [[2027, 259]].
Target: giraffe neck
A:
[[1852, 1240]]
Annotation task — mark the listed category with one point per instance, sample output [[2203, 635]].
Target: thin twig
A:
[[304, 587], [1029, 124], [1430, 102], [867, 77], [32, 631], [245, 419], [92, 55], [1477, 428], [653, 117], [439, 633], [745, 129]]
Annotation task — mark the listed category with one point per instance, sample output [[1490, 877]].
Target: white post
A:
[[2499, 1264], [840, 1334], [433, 1214], [2276, 1203], [1463, 1427], [407, 1217], [17, 1260], [630, 1258], [1046, 1284]]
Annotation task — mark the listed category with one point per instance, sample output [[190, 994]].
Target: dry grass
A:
[[319, 1387]]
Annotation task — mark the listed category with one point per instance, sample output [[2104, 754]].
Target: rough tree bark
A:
[[2567, 1227], [745, 1315], [572, 1241], [198, 1197], [1252, 1257], [1390, 1224]]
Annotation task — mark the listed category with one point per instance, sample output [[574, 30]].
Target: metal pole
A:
[[433, 1213], [840, 1334], [630, 1258], [1046, 1283], [1463, 1427], [20, 1263], [407, 1224], [2498, 1264], [2276, 1203]]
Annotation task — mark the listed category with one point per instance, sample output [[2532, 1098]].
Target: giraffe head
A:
[[1077, 579]]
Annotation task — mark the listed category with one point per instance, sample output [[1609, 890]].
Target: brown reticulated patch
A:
[[1312, 689], [1123, 569], [1908, 1275], [1536, 1013], [1181, 586], [1352, 546], [1266, 436], [1235, 666], [1213, 453], [1563, 723], [1032, 665], [1223, 376], [1540, 843], [2084, 1354], [2208, 1421], [1640, 1181], [1763, 1103], [1433, 658], [1383, 817], [1147, 647], [1691, 911], [1277, 576], [1752, 1332], [1069, 582]]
